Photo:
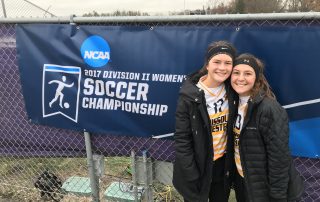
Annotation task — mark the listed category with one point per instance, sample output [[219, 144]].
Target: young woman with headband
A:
[[203, 137], [264, 170]]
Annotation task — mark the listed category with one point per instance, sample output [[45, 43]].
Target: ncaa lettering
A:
[[96, 55], [95, 51]]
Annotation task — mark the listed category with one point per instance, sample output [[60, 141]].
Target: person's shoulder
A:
[[270, 102], [186, 85], [271, 105], [189, 90]]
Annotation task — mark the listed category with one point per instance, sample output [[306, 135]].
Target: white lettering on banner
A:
[[121, 75], [174, 78], [92, 73], [97, 55], [109, 90], [112, 104], [120, 90], [168, 77]]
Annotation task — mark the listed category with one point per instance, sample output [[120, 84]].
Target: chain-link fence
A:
[[45, 163]]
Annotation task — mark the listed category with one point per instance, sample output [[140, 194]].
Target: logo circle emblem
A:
[[95, 51]]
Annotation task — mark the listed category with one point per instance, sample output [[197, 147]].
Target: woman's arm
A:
[[275, 132], [184, 141]]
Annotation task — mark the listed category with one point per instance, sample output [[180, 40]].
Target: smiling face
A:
[[243, 78], [219, 69]]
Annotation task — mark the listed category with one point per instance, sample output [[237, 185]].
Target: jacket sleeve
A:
[[275, 132], [184, 142]]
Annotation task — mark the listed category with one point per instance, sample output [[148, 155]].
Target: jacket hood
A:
[[189, 88], [258, 98]]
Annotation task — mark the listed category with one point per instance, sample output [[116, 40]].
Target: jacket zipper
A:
[[243, 164]]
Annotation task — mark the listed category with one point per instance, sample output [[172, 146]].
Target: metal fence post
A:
[[134, 176], [3, 9], [93, 179], [147, 176]]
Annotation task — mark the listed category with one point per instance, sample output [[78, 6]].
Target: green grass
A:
[[17, 176], [117, 166]]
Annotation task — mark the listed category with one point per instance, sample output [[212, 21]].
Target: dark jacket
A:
[[264, 150], [193, 141]]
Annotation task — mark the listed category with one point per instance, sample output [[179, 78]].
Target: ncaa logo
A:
[[95, 51]]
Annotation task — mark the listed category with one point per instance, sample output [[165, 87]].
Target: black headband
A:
[[220, 50], [247, 60]]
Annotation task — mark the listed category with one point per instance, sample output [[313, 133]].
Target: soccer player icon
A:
[[59, 94]]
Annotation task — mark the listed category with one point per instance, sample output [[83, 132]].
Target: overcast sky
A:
[[79, 7]]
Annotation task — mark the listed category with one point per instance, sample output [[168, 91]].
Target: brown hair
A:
[[261, 82], [215, 45]]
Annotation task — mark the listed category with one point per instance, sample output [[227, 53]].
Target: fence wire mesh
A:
[[23, 8], [44, 163]]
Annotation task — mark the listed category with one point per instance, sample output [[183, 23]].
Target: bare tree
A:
[[262, 6], [238, 6], [218, 7], [301, 5], [256, 6], [116, 13]]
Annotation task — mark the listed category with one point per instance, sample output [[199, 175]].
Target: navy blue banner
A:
[[125, 80]]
